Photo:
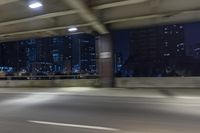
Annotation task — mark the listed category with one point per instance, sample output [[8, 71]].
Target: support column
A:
[[105, 63]]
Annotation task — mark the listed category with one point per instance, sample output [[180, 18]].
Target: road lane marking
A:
[[75, 125]]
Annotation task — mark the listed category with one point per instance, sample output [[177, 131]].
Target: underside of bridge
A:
[[55, 17], [18, 21]]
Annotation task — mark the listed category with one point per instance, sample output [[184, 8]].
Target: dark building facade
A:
[[61, 54], [155, 49], [87, 54], [83, 53], [12, 56], [38, 54], [118, 60], [49, 55]]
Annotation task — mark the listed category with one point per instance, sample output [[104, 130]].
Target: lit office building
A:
[[118, 60], [153, 49], [87, 54]]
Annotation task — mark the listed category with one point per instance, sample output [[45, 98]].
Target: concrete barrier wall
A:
[[159, 82], [49, 83], [120, 82]]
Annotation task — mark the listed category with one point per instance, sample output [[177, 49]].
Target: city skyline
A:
[[61, 54], [77, 53]]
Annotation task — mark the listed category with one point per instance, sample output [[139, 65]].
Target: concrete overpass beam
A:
[[87, 14]]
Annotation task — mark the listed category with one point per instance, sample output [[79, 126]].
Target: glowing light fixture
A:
[[35, 5], [73, 29]]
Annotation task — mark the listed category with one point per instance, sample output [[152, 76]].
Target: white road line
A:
[[75, 125]]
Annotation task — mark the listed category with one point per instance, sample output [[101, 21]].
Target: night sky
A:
[[192, 33]]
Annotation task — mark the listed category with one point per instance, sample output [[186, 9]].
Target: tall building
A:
[[194, 51], [12, 56], [155, 48], [83, 53], [52, 54], [172, 41], [61, 54], [7, 64], [38, 54], [87, 54], [118, 60]]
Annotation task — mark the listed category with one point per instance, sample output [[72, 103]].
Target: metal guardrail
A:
[[49, 77]]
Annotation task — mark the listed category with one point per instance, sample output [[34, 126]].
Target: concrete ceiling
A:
[[18, 21]]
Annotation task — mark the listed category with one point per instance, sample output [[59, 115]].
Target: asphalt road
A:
[[60, 113]]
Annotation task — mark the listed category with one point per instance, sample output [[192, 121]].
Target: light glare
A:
[[35, 5], [72, 29]]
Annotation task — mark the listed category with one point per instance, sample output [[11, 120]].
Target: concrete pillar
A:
[[105, 63]]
